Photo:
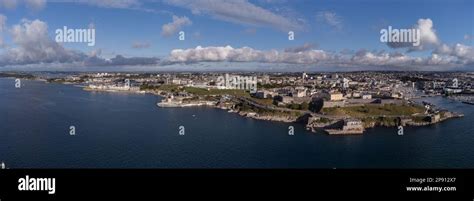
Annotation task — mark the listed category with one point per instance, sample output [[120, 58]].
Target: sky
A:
[[236, 34]]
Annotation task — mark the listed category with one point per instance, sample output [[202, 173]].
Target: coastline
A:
[[328, 128], [268, 138]]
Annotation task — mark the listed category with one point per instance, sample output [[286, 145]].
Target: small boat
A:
[[2, 165]]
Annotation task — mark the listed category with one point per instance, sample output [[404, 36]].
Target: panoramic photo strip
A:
[[350, 95]]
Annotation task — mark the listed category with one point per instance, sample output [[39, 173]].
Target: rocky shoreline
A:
[[285, 119], [326, 126], [253, 115]]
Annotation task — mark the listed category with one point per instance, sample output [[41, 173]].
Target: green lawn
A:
[[265, 101], [210, 92], [164, 87], [199, 91]]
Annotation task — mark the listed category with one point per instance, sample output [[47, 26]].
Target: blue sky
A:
[[337, 33]]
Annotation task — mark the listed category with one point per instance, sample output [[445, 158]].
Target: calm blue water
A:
[[128, 131]]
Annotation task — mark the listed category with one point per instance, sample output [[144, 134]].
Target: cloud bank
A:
[[3, 22], [33, 46], [244, 54], [455, 56]]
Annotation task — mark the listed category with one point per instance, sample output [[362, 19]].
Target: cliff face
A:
[[321, 124], [316, 123], [287, 119]]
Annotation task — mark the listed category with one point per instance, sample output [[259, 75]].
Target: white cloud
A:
[[120, 60], [436, 59], [366, 58], [95, 52], [273, 1], [135, 5], [174, 26], [244, 54], [428, 37], [463, 53], [8, 4], [32, 46], [111, 3], [30, 4], [140, 45], [303, 48], [238, 11], [442, 54], [443, 49], [330, 18], [459, 55], [3, 22]]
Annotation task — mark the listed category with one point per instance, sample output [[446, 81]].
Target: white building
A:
[[366, 96], [265, 94], [304, 76], [335, 96]]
